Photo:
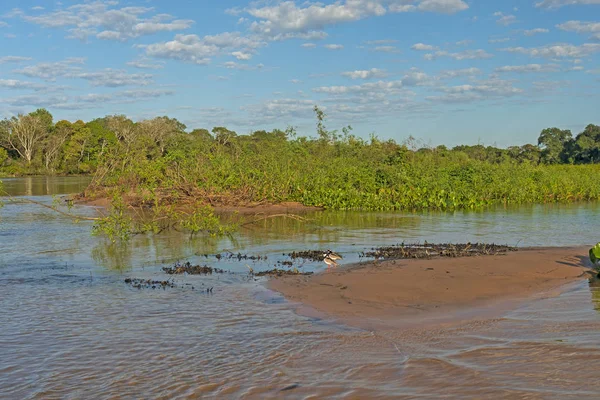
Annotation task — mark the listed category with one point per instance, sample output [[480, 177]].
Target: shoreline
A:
[[409, 292]]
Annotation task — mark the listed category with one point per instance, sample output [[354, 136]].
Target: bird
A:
[[329, 257]]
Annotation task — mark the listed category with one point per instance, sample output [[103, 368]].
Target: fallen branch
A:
[[292, 216]]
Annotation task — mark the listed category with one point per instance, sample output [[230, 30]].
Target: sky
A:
[[443, 71]]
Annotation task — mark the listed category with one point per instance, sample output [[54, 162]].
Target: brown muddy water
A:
[[71, 328]]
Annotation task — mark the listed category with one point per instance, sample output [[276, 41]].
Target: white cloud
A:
[[561, 50], [71, 69], [308, 45], [499, 40], [505, 19], [113, 78], [242, 67], [554, 4], [51, 71], [464, 42], [334, 46], [193, 49], [531, 32], [582, 27], [386, 49], [144, 63], [16, 84], [289, 17], [456, 73], [104, 21], [240, 55], [380, 41], [3, 24], [478, 91], [365, 74], [37, 8], [295, 81], [529, 68], [443, 6], [13, 59], [423, 47], [462, 55], [10, 36]]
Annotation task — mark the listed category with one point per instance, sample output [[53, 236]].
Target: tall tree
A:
[[55, 141], [159, 129], [25, 135], [552, 142]]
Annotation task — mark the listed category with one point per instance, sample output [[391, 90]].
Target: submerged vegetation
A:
[[156, 166]]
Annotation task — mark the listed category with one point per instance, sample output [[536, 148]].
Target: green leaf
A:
[[595, 253]]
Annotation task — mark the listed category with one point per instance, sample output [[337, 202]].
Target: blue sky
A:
[[443, 71]]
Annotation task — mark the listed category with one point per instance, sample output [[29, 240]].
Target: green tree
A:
[[586, 147], [24, 134], [552, 141]]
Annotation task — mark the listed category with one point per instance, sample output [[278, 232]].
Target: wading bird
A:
[[329, 258]]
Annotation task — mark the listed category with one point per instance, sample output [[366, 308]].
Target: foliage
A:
[[155, 164], [595, 254]]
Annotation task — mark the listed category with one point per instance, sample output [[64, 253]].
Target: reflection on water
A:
[[44, 185], [74, 329]]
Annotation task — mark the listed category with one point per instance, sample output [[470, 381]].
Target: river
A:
[[72, 328]]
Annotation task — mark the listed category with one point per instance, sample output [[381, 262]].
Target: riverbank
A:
[[401, 290]]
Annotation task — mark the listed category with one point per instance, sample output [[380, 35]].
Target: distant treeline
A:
[[157, 162]]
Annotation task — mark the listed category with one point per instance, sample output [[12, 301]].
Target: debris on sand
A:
[[430, 250], [188, 268]]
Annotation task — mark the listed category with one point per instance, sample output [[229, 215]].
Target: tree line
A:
[[34, 144]]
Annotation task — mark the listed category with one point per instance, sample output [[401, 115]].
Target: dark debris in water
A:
[[431, 250], [235, 256], [149, 283], [312, 255], [188, 268]]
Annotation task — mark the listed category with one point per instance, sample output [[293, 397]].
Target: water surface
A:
[[73, 329]]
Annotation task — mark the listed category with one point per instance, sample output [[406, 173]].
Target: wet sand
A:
[[444, 288]]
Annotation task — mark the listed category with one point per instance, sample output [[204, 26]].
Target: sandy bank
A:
[[396, 290]]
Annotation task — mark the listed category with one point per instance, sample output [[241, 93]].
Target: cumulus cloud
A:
[[498, 40], [456, 73], [105, 21], [3, 24], [462, 55], [386, 49], [423, 47], [144, 63], [561, 50], [478, 91], [113, 78], [53, 70], [17, 84], [289, 17], [71, 68], [531, 32], [554, 4], [240, 55], [505, 19], [197, 50], [582, 27], [13, 59], [365, 74], [334, 46], [308, 45], [242, 67], [380, 41], [529, 68]]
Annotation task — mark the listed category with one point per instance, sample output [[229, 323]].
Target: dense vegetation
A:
[[155, 162]]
